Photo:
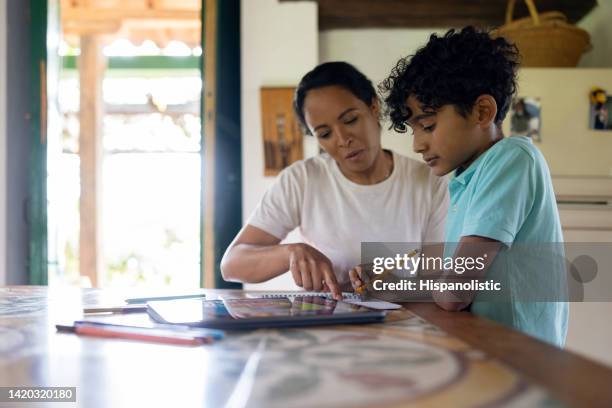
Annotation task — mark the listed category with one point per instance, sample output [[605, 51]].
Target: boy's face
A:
[[444, 138]]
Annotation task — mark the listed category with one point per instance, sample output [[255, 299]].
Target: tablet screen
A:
[[192, 311], [284, 306]]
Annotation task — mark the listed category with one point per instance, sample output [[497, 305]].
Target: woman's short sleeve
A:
[[278, 212]]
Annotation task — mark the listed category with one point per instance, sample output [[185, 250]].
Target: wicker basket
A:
[[546, 39]]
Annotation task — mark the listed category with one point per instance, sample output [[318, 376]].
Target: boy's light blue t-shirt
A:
[[507, 195]]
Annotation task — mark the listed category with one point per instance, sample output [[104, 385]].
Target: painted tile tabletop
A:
[[403, 362]]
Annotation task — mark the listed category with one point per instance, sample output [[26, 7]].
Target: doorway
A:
[[51, 252], [124, 165]]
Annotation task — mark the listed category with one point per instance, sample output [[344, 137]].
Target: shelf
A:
[[433, 14]]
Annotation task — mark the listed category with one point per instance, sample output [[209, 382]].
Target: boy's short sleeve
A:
[[503, 196], [278, 212]]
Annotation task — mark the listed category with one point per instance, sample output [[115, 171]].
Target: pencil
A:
[[361, 290], [116, 309], [141, 334], [174, 297]]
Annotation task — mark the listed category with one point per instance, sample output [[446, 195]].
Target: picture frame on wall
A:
[[281, 132], [600, 114], [526, 118]]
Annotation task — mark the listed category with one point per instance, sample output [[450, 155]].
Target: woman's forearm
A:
[[250, 263]]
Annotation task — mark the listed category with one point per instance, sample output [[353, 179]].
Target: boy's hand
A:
[[312, 270], [355, 276]]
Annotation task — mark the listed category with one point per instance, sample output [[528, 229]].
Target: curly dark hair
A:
[[337, 73], [455, 69]]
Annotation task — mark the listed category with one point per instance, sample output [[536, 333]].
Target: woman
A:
[[354, 192]]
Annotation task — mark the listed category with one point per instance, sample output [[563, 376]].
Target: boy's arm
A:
[[473, 247], [498, 208]]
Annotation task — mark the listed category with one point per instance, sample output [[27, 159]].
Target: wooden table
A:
[[423, 357]]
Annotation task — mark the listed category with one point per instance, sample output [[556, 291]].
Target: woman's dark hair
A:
[[453, 69], [336, 73]]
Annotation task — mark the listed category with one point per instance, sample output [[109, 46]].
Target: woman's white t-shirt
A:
[[335, 215]]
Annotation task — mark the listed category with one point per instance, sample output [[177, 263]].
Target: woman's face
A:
[[345, 127]]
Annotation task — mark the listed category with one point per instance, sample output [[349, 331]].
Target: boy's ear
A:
[[485, 108]]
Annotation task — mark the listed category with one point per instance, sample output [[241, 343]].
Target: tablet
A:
[[259, 313]]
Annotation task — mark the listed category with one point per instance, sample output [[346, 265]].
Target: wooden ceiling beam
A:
[[433, 13], [132, 17], [90, 28], [89, 15]]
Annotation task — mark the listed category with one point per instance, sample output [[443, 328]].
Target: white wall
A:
[[278, 45], [568, 145], [597, 23], [3, 29]]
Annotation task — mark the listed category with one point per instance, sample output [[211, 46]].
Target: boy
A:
[[454, 94]]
